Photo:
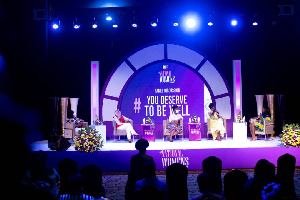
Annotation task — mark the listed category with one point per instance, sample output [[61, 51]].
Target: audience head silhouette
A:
[[234, 182], [176, 176], [141, 145]]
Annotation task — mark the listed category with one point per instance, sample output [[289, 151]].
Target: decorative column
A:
[[271, 104], [54, 113], [95, 78], [281, 108], [74, 104], [259, 103], [63, 112], [237, 88]]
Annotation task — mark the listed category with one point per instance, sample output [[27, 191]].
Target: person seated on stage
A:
[[257, 123], [217, 128], [174, 123], [122, 125], [71, 118]]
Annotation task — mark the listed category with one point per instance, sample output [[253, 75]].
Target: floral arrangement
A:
[[87, 140], [194, 119], [290, 135], [97, 121], [148, 120]]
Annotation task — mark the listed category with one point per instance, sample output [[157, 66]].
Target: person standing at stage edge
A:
[[122, 124]]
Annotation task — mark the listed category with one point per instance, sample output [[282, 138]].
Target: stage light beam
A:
[[154, 24], [55, 26], [254, 23], [210, 24]]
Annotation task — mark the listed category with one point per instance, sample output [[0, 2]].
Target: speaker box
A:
[[58, 143]]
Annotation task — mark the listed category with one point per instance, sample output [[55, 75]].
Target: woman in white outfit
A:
[[122, 124]]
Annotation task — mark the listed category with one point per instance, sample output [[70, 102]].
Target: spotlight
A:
[[115, 26], [55, 24], [134, 25], [191, 22], [175, 21], [210, 24], [154, 24], [254, 23], [94, 23], [234, 22], [76, 24], [108, 18]]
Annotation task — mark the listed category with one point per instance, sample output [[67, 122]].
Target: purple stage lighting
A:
[[234, 22]]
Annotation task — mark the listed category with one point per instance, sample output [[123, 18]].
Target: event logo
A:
[[173, 156], [166, 77]]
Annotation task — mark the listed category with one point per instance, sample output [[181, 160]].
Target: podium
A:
[[194, 132], [148, 132], [239, 131]]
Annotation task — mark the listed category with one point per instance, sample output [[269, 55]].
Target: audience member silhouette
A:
[[234, 182], [92, 181], [213, 167], [150, 180], [206, 185], [264, 173], [136, 167], [40, 181], [75, 184], [285, 176], [66, 169], [150, 193], [176, 176]]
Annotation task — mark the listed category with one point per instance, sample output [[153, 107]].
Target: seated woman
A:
[[122, 125], [217, 128], [257, 123], [174, 123], [71, 118]]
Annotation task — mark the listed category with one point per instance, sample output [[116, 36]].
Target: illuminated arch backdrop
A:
[[153, 78]]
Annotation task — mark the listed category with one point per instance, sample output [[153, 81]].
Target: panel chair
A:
[[120, 133], [166, 131], [268, 128], [208, 125]]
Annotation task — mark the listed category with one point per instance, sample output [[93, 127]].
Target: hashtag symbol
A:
[[137, 105]]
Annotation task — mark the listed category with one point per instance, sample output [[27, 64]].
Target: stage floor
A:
[[159, 144]]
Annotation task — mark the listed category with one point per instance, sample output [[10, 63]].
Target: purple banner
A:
[[154, 90]]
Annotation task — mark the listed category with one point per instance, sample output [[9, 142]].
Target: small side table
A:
[[148, 132], [194, 132], [102, 131], [239, 131]]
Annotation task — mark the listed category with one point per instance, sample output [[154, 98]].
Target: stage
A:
[[115, 155]]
